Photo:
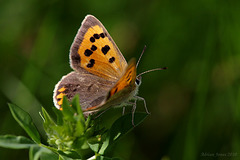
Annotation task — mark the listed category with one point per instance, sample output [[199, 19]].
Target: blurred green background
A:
[[194, 105]]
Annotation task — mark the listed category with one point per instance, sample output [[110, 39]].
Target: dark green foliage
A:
[[194, 104], [71, 136]]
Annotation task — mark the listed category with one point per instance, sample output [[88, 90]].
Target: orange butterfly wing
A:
[[94, 50], [97, 61], [127, 81], [122, 90]]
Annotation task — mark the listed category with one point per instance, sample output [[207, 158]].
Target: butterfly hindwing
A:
[[93, 50], [91, 89]]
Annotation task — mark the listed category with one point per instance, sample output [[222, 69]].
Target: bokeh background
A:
[[194, 105]]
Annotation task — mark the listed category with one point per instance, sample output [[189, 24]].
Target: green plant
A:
[[70, 136]]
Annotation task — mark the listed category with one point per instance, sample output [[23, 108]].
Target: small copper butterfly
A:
[[101, 76]]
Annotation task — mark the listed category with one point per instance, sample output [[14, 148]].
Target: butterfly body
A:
[[120, 94], [102, 78]]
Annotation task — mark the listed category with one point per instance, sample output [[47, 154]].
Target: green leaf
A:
[[25, 121], [67, 110], [88, 121], [37, 152], [48, 123], [94, 146], [15, 142], [80, 120], [47, 119], [69, 154], [106, 158], [61, 157], [77, 107], [121, 127], [34, 153], [80, 126], [49, 148], [59, 116]]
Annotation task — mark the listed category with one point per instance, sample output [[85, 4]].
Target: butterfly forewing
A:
[[94, 51], [121, 91], [127, 80]]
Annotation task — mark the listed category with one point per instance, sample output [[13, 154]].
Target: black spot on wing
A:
[[115, 90], [105, 49], [102, 35], [91, 63], [92, 39], [129, 74], [111, 60], [96, 36], [94, 48], [88, 52]]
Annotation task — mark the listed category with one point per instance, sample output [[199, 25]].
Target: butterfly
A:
[[102, 78]]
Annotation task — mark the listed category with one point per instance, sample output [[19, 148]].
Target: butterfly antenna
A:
[[141, 55], [156, 69]]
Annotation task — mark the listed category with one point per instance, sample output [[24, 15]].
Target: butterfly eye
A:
[[138, 81]]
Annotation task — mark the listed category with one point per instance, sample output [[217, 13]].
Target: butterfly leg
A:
[[127, 103], [134, 104], [133, 111], [142, 99], [123, 111]]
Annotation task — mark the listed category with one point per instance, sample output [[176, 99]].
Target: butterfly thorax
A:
[[123, 90], [119, 99]]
